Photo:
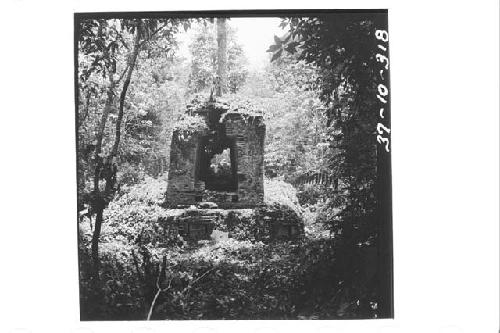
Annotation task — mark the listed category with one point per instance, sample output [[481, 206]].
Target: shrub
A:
[[135, 217], [282, 193], [310, 194], [130, 174]]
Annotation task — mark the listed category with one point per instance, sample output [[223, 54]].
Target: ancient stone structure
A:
[[217, 156], [196, 224], [216, 177]]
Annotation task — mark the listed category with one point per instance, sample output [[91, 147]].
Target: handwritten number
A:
[[382, 90], [382, 35], [382, 140], [382, 59], [381, 127], [381, 99]]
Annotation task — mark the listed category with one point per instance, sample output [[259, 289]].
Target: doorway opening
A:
[[217, 166]]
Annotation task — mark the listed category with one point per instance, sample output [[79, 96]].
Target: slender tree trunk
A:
[[101, 128], [97, 197], [102, 198], [221, 81], [95, 243], [86, 106], [131, 64]]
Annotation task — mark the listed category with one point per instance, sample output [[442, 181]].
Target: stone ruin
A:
[[216, 162], [217, 174], [217, 157]]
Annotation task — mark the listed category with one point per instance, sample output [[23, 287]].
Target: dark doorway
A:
[[217, 165]]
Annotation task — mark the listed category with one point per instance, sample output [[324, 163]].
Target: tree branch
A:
[[159, 290], [122, 74], [152, 34], [196, 280], [100, 132], [130, 67]]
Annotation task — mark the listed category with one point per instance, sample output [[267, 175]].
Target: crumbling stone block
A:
[[221, 162]]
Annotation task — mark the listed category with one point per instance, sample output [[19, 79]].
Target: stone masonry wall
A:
[[181, 189], [247, 132]]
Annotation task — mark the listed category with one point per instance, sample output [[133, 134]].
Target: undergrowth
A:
[[147, 272]]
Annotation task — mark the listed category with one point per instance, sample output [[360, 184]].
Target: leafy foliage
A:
[[296, 132], [282, 193], [344, 50], [204, 62], [314, 98]]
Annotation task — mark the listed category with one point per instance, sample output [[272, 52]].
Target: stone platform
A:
[[195, 223]]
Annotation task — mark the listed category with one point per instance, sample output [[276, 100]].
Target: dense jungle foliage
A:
[[316, 96]]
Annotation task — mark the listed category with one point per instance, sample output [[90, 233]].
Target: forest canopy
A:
[[140, 80]]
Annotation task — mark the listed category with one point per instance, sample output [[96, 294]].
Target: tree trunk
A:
[[97, 200], [131, 64], [100, 132], [95, 243], [221, 80], [86, 106], [109, 167]]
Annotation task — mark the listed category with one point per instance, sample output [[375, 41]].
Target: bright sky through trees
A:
[[247, 28]]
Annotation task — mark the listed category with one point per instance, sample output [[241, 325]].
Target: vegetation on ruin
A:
[[135, 89]]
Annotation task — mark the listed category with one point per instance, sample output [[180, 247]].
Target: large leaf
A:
[[276, 55], [273, 48], [291, 47]]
